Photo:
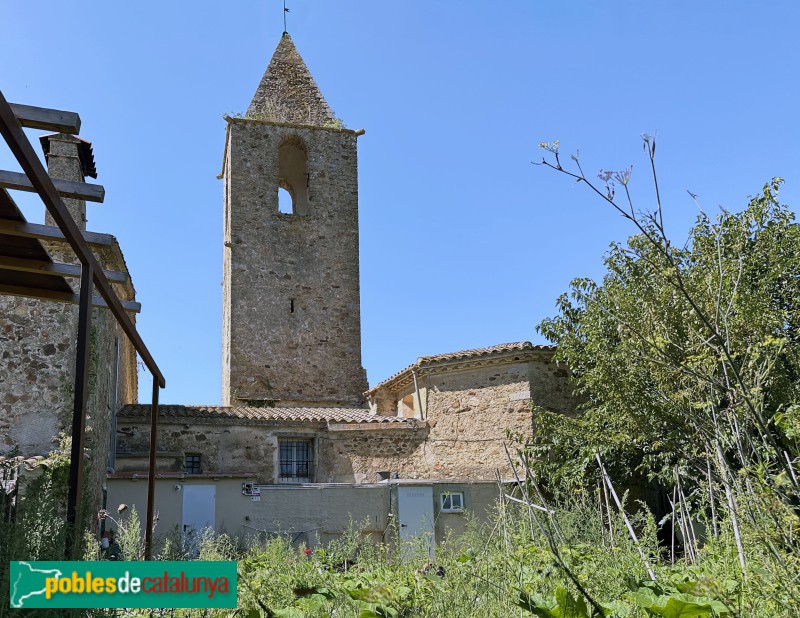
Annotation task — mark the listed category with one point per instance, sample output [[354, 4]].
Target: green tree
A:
[[642, 345], [685, 356]]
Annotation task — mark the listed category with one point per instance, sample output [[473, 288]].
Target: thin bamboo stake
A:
[[503, 507], [550, 512], [530, 504], [600, 510], [690, 521], [672, 504], [711, 497], [681, 522], [687, 531], [523, 489], [549, 537], [625, 517], [608, 513], [732, 507], [789, 464], [689, 539], [676, 507]]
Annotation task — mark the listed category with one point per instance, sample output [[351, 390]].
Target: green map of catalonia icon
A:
[[29, 582]]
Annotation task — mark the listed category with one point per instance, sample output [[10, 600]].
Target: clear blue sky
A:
[[464, 243]]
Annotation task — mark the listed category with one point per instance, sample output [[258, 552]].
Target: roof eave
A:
[[430, 364]]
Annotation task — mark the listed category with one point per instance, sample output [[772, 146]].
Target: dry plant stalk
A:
[[625, 517]]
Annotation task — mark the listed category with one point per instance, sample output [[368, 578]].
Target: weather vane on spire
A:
[[285, 10]]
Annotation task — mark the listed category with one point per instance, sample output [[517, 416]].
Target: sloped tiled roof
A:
[[475, 353], [518, 346], [247, 413]]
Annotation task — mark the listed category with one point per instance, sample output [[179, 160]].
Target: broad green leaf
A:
[[678, 605], [569, 607], [566, 606], [359, 594], [533, 605]]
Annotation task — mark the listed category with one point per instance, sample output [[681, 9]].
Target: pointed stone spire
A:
[[288, 93]]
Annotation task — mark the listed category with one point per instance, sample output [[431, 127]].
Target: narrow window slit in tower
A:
[[291, 305]]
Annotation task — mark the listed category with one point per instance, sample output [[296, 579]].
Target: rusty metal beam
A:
[[75, 485], [92, 274], [151, 475], [43, 184]]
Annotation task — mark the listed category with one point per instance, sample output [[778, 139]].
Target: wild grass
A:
[[505, 568], [510, 566]]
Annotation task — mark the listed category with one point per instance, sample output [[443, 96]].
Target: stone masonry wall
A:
[[292, 326], [224, 448], [37, 365], [37, 350], [37, 355], [101, 399], [470, 413], [347, 456], [551, 388], [467, 416], [37, 341], [358, 456]]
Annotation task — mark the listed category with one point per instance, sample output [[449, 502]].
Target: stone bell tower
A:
[[291, 298]]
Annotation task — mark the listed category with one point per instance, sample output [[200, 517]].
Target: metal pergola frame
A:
[[13, 117]]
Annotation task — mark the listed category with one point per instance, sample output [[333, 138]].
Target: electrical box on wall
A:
[[248, 489]]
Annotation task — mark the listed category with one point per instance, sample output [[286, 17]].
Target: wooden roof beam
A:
[[10, 227], [62, 297], [47, 119], [65, 188], [58, 269]]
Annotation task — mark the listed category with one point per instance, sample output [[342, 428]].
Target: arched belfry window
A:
[[293, 177]]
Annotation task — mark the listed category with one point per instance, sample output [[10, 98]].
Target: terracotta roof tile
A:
[[303, 414], [29, 462], [520, 346], [503, 347]]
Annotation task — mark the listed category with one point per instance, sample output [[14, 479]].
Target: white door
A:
[[199, 503], [415, 512]]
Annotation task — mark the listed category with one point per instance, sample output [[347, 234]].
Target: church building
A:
[[301, 443]]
